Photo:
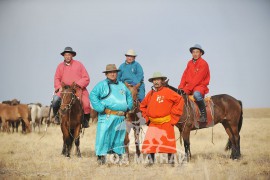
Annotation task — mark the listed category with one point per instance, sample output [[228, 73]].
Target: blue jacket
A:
[[111, 129], [131, 73], [116, 97]]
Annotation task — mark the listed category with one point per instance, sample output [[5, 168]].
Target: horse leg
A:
[[236, 149], [77, 140], [186, 135], [27, 123], [69, 141], [65, 132], [136, 130], [17, 125], [64, 150], [126, 142], [232, 139]]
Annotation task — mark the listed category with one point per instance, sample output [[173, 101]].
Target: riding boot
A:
[[203, 116], [101, 160], [56, 106], [170, 158], [85, 122]]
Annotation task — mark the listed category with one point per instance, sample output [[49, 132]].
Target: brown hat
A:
[[110, 68]]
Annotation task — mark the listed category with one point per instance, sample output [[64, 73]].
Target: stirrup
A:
[[85, 124], [202, 119]]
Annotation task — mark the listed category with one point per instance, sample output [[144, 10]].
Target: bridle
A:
[[64, 107]]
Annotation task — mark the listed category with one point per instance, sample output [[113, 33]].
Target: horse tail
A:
[[241, 117], [229, 144]]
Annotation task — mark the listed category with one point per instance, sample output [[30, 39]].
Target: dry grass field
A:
[[32, 157]]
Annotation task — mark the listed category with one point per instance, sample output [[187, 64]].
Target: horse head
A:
[[134, 94], [68, 96], [133, 90]]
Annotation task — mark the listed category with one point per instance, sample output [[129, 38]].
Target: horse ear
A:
[[73, 85], [166, 82], [126, 83]]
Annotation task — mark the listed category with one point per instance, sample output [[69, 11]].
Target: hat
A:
[[131, 52], [68, 50], [196, 46], [111, 67], [157, 75]]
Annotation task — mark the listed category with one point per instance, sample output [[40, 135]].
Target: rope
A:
[[46, 126]]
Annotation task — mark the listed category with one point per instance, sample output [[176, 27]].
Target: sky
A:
[[235, 35]]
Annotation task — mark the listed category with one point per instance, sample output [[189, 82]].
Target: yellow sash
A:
[[160, 120]]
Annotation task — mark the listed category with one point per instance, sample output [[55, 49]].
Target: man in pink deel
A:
[[70, 71]]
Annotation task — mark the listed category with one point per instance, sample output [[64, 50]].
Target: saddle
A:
[[209, 110]]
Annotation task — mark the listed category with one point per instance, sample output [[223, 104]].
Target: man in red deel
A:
[[195, 79]]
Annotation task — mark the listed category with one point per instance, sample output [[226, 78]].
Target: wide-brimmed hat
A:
[[157, 75], [68, 50], [196, 46], [110, 68], [131, 52]]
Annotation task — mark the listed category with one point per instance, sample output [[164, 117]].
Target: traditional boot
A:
[[56, 107], [85, 121], [101, 160], [203, 116], [151, 158], [171, 158]]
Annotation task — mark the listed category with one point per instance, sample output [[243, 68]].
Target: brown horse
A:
[[14, 113], [132, 120], [225, 109], [71, 114]]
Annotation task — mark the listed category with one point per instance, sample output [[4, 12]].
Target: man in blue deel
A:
[[111, 99], [131, 72]]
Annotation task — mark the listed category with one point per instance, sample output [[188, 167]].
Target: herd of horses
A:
[[30, 116], [223, 109]]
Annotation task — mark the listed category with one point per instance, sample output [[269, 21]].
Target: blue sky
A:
[[234, 35]]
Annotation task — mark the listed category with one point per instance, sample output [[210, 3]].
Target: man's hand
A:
[[58, 90], [182, 92], [137, 85]]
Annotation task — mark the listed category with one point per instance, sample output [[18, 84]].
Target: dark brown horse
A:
[[71, 113], [224, 109], [132, 120]]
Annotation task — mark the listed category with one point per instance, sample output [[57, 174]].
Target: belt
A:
[[160, 120], [118, 113]]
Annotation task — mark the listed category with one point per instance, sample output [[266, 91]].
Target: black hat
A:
[[68, 50]]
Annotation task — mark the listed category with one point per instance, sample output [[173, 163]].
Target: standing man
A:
[[161, 109], [196, 78], [131, 72], [111, 99], [70, 71]]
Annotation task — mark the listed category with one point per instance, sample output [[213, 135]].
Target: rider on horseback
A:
[[195, 79], [68, 72], [131, 72]]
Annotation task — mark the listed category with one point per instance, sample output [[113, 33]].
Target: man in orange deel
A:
[[161, 109]]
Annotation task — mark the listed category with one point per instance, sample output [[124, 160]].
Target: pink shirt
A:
[[75, 72]]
